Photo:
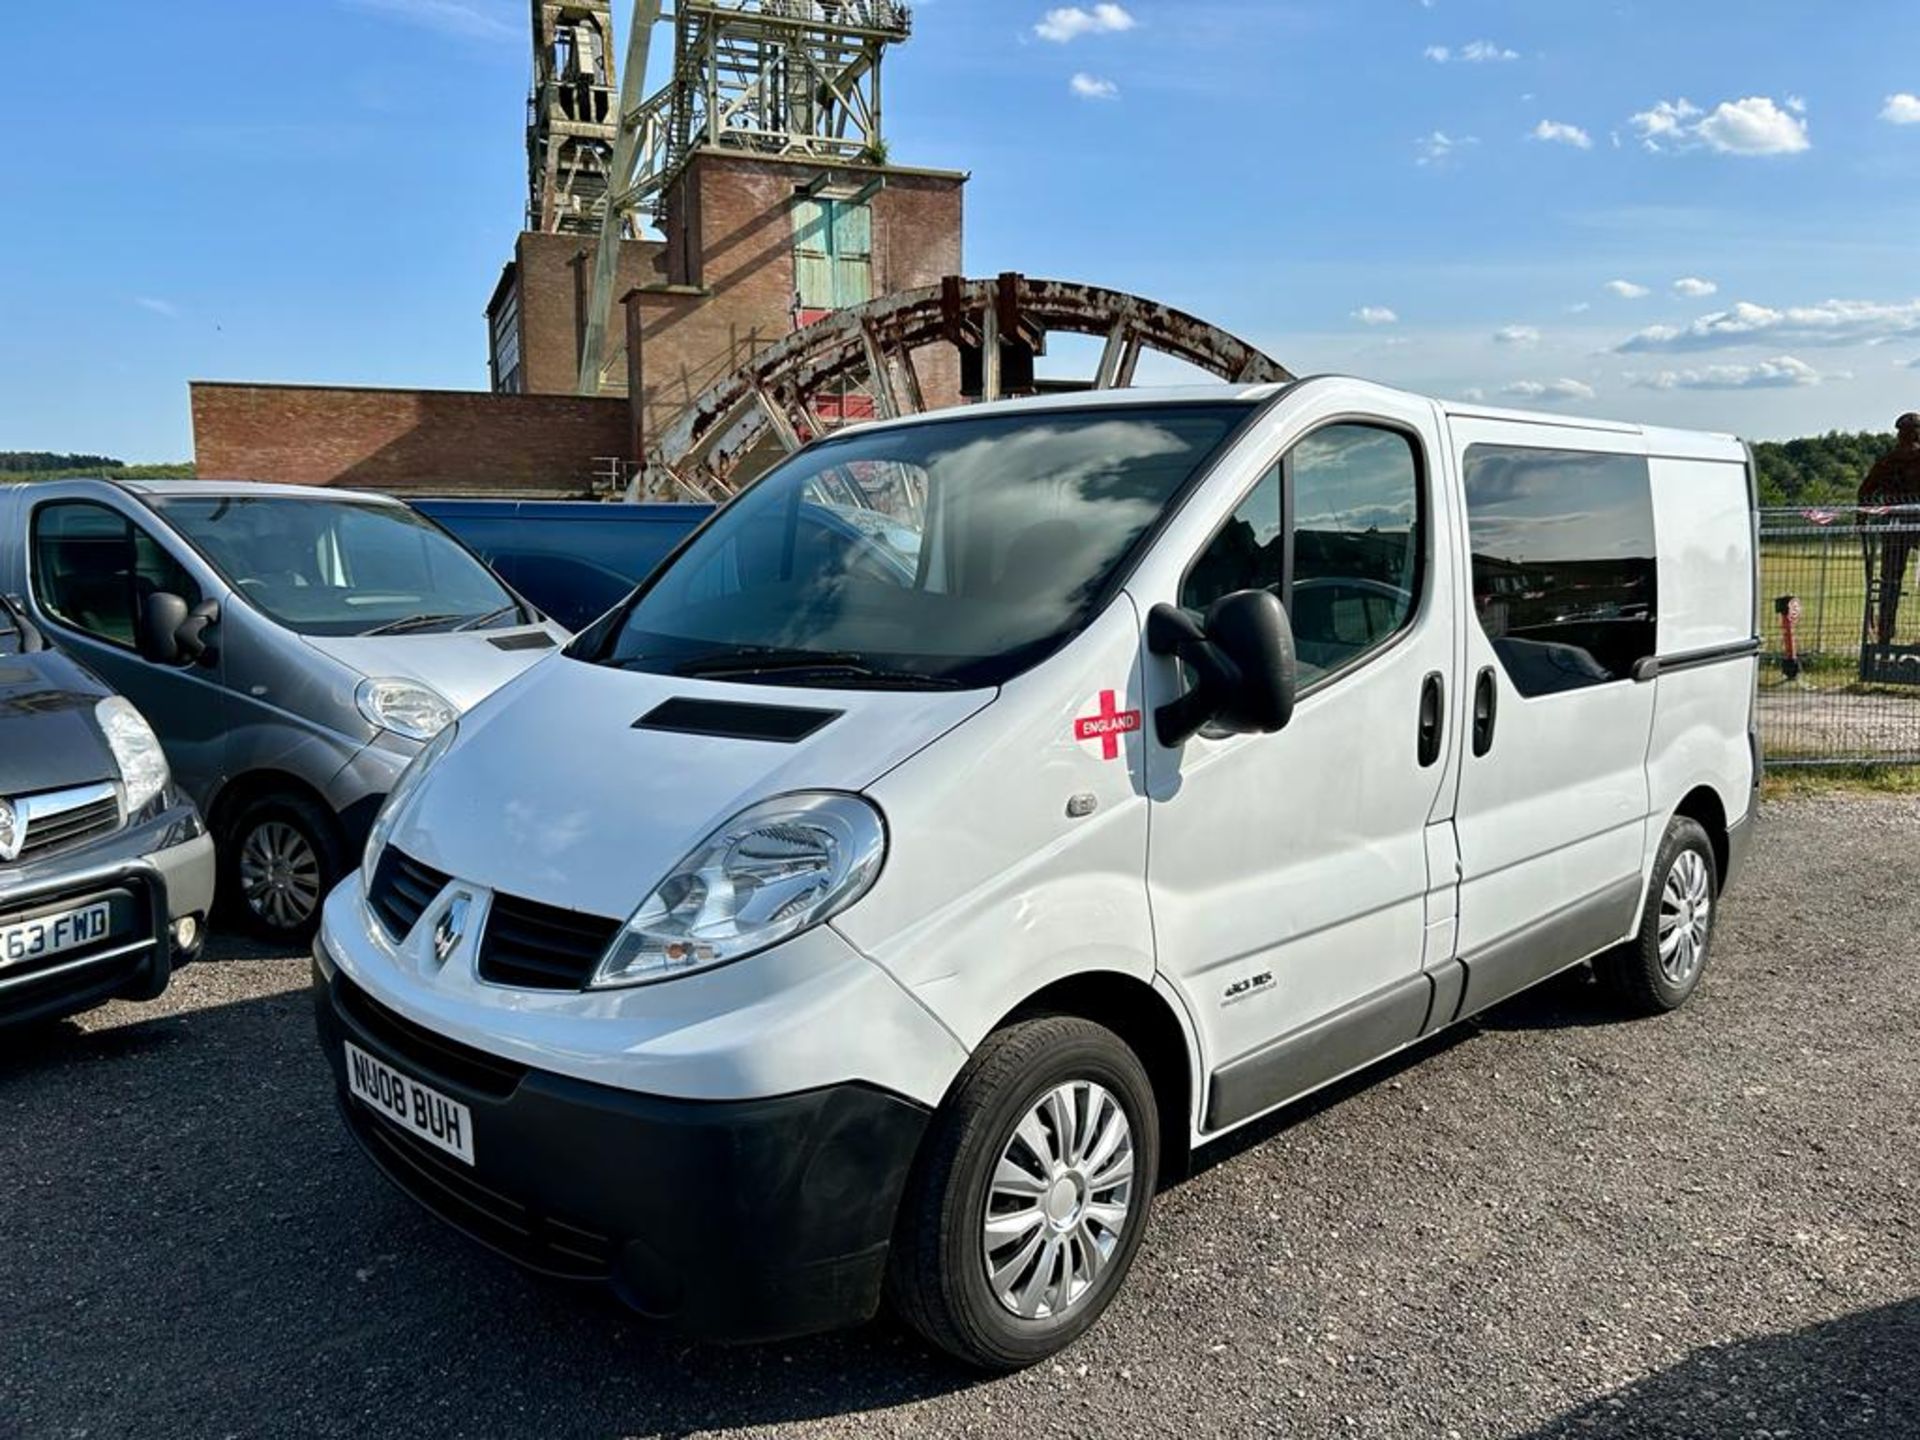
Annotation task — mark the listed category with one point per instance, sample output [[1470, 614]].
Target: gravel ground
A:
[[1553, 1223]]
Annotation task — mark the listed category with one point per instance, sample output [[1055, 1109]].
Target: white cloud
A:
[[1666, 123], [1753, 126], [1092, 87], [1579, 307], [1694, 288], [1474, 52], [1627, 290], [1438, 148], [1901, 109], [1558, 132], [1376, 315], [1550, 391], [1832, 322], [159, 307], [1783, 372], [1070, 22], [451, 17], [1473, 393], [1516, 335]]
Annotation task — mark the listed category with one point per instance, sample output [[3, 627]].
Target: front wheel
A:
[[281, 856], [1030, 1198]]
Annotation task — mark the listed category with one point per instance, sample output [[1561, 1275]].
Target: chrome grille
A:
[[56, 820]]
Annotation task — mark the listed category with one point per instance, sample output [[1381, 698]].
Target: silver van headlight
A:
[[136, 750], [405, 707], [775, 869], [397, 798]]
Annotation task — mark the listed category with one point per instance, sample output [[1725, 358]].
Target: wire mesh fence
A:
[[1840, 636]]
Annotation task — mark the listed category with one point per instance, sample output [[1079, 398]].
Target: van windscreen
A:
[[951, 553], [342, 567]]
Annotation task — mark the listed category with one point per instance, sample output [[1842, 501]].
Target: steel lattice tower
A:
[[572, 120]]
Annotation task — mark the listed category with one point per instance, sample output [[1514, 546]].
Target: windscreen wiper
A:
[[746, 665], [481, 621], [406, 623]]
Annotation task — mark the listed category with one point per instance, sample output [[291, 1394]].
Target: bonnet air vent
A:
[[781, 724], [536, 640]]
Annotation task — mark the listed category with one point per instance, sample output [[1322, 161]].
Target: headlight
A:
[[772, 871], [136, 750], [405, 707], [397, 798]]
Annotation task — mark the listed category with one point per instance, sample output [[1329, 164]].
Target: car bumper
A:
[[729, 1219], [164, 867]]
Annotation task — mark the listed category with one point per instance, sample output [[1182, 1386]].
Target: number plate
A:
[[22, 941], [416, 1108]]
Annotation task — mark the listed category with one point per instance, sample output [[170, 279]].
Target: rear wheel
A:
[[281, 856], [1660, 968], [1029, 1201]]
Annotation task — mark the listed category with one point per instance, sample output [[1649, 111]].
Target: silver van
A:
[[294, 648]]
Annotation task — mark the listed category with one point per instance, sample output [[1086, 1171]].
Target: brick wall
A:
[[444, 441], [728, 285], [554, 274]]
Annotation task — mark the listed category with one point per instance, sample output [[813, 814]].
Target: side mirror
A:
[[169, 632], [1242, 658]]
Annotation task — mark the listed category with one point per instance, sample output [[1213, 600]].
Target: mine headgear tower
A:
[[571, 123]]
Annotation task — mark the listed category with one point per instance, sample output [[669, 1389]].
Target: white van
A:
[[839, 917]]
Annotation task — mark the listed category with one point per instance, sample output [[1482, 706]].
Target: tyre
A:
[[1661, 967], [1030, 1195], [278, 860]]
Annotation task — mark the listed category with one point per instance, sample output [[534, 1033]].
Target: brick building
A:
[[761, 233]]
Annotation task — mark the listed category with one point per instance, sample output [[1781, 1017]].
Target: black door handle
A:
[[1433, 706], [1486, 705]]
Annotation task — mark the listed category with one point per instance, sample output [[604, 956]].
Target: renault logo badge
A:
[[451, 925], [13, 832]]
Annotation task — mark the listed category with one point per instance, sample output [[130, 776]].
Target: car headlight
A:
[[405, 707], [775, 869], [397, 798], [136, 750]]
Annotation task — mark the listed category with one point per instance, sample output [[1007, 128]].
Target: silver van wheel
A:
[[279, 874], [1058, 1201], [1686, 915]]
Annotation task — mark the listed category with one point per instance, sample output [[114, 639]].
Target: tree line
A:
[[1820, 469]]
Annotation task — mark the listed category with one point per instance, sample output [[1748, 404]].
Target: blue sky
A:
[[1438, 195]]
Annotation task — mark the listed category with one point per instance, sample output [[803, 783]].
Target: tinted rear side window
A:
[[1563, 563]]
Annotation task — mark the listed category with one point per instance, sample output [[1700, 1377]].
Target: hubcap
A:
[[1058, 1201], [279, 874], [1686, 917]]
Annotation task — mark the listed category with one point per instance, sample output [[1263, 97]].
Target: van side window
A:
[[94, 568], [1357, 542], [1247, 554], [1350, 578], [1563, 563]]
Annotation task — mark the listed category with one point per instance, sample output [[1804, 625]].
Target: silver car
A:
[[294, 648]]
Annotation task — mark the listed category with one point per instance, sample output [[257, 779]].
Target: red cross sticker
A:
[[1107, 726]]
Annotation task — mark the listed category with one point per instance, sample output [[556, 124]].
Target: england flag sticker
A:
[[1106, 725]]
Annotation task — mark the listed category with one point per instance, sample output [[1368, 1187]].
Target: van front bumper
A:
[[162, 867], [731, 1220]]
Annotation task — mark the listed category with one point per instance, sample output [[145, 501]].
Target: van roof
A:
[[236, 489], [1660, 440]]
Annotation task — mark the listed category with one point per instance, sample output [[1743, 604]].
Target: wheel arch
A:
[[244, 790], [1703, 806], [1146, 1020]]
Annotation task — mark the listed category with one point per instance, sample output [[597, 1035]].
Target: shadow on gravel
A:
[[1837, 1378], [195, 1245]]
